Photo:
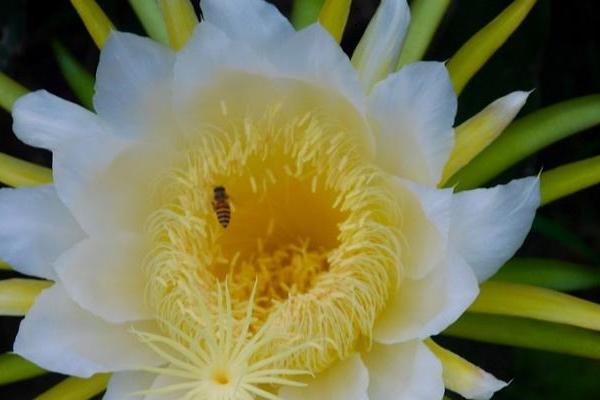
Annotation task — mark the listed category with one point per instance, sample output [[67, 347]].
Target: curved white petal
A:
[[255, 22], [59, 336], [377, 52], [489, 225], [312, 55], [413, 113], [161, 383], [425, 307], [122, 385], [104, 276], [484, 388], [425, 226], [35, 229], [77, 165], [208, 55], [133, 85], [407, 371], [346, 380], [107, 183], [247, 84], [209, 52], [43, 120]]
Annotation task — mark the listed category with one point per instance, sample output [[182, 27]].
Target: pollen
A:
[[308, 261]]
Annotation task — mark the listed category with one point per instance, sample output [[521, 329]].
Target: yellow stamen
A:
[[181, 20], [214, 354], [312, 246], [96, 22], [306, 259]]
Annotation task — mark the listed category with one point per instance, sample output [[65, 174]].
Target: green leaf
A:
[[549, 273], [568, 179], [519, 300], [78, 78], [95, 20], [17, 295], [334, 17], [527, 136], [4, 266], [477, 51], [151, 18], [180, 19], [426, 16], [554, 231], [74, 388], [528, 333], [16, 172], [14, 368], [546, 376], [305, 12], [10, 91]]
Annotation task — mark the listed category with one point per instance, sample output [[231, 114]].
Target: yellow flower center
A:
[[276, 233]]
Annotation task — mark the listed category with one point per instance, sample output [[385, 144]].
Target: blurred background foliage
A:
[[556, 52]]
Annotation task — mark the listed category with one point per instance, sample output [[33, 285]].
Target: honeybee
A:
[[221, 206]]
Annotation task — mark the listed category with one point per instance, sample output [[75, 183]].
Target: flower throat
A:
[[311, 238]]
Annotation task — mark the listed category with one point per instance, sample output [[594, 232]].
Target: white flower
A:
[[341, 255]]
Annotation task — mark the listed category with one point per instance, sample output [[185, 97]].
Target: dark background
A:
[[556, 51]]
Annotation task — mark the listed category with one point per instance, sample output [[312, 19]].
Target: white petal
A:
[[377, 53], [104, 276], [425, 225], [133, 85], [436, 204], [312, 55], [83, 148], [43, 120], [212, 66], [413, 113], [77, 165], [483, 388], [161, 382], [207, 56], [208, 52], [35, 228], [407, 371], [123, 384], [489, 225], [425, 307], [255, 22], [107, 183], [59, 336], [346, 380]]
